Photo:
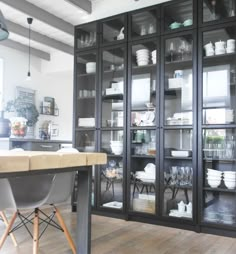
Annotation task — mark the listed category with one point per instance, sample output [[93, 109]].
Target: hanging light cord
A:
[[29, 48]]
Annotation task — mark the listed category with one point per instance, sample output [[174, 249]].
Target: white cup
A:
[[231, 43]]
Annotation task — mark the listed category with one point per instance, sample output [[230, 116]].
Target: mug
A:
[[178, 74]]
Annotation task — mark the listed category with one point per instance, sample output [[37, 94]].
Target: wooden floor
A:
[[113, 236]]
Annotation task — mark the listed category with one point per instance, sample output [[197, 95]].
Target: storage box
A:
[[112, 91], [174, 83]]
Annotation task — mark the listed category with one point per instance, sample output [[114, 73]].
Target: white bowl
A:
[[214, 171], [142, 63], [117, 150], [90, 67], [214, 183], [142, 51], [142, 57], [213, 177], [230, 184]]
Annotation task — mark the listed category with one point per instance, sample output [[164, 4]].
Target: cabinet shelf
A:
[[86, 75], [177, 158], [113, 97], [219, 160], [143, 156], [86, 98], [187, 64], [219, 59], [219, 189]]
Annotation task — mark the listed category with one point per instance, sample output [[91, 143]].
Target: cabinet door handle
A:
[[46, 146]]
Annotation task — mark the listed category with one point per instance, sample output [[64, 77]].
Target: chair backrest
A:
[[63, 183], [30, 191], [7, 200]]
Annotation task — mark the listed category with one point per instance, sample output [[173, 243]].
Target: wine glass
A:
[[182, 49], [171, 51]]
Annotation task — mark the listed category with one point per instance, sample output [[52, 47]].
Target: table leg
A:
[[84, 211]]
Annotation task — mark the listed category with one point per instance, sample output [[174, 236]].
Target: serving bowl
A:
[[214, 183]]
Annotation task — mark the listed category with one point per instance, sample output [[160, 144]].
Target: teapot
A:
[[121, 35]]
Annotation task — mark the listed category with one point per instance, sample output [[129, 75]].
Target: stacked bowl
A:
[[154, 56], [230, 179], [91, 67], [142, 57], [116, 147], [214, 177]]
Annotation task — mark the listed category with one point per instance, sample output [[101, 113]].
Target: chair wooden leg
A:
[[66, 232], [36, 232], [8, 228], [2, 214]]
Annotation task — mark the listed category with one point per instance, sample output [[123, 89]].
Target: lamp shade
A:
[[3, 28]]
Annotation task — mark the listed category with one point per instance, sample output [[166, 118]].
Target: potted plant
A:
[[24, 110]]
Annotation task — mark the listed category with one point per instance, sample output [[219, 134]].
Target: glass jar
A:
[[18, 127]]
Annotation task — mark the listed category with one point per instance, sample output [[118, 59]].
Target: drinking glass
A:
[[171, 51]]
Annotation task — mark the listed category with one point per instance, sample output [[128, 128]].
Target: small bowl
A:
[[214, 183], [175, 25], [188, 22]]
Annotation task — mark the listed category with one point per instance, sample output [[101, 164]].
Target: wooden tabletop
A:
[[20, 161]]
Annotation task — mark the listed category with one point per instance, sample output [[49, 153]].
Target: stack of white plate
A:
[[230, 179], [91, 67], [214, 177], [154, 56], [142, 56]]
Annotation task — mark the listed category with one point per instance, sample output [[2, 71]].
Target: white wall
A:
[[58, 85]]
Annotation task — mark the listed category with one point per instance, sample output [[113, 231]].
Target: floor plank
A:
[[114, 236]]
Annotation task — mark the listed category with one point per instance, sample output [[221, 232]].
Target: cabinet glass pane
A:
[[219, 144], [179, 74], [178, 15], [178, 173], [86, 87], [111, 195], [219, 207], [113, 87], [114, 29], [144, 23], [86, 36], [219, 176], [85, 141], [143, 171], [219, 76], [143, 84], [218, 10]]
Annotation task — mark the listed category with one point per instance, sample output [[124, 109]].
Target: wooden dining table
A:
[[25, 163]]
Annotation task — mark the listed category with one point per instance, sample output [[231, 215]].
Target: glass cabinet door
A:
[[86, 90], [178, 173], [114, 29], [219, 70], [143, 84], [113, 79], [143, 171], [178, 15], [178, 81], [144, 23], [111, 174], [177, 119], [86, 36], [218, 10], [218, 126]]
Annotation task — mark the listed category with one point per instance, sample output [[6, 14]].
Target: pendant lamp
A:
[[29, 21], [3, 28]]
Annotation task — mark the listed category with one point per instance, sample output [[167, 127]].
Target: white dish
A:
[[175, 153]]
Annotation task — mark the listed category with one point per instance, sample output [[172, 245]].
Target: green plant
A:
[[23, 109]]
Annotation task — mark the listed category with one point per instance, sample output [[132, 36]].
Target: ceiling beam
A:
[[35, 36], [82, 4], [21, 47], [40, 14]]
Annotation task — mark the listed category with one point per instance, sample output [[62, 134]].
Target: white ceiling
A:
[[65, 11]]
